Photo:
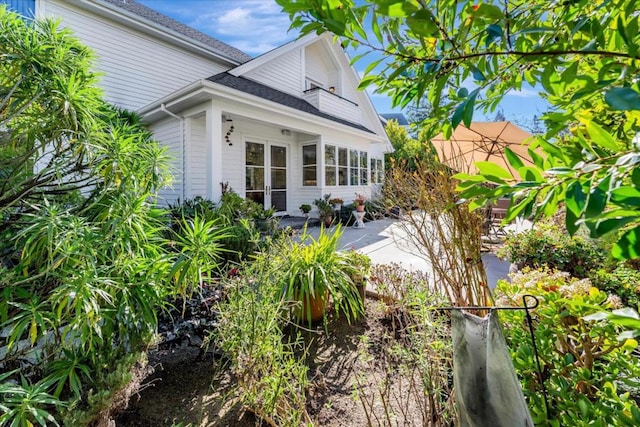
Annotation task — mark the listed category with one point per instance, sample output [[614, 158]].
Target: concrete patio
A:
[[385, 242]]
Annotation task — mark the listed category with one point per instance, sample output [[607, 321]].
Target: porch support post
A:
[[214, 142]]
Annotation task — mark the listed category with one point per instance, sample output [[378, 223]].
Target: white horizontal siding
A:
[[318, 64], [168, 133], [137, 68], [284, 73], [198, 166], [339, 107]]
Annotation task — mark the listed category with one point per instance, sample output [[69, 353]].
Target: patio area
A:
[[385, 242]]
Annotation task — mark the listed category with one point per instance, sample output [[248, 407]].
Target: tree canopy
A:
[[464, 56]]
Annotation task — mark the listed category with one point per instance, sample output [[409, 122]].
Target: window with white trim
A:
[[330, 165], [336, 166], [377, 172], [309, 165], [354, 173], [343, 166], [364, 168]]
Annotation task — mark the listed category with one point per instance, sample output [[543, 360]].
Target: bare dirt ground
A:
[[349, 373]]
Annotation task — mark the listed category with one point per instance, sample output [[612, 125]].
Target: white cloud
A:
[[523, 93], [253, 26]]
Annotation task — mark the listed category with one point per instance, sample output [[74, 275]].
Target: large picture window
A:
[[309, 165], [344, 167]]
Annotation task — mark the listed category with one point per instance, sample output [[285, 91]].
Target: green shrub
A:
[[548, 246], [271, 377], [589, 374], [622, 281]]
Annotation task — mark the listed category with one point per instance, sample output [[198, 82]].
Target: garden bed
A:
[[348, 369]]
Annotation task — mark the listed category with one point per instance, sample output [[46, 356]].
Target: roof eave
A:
[[154, 111]]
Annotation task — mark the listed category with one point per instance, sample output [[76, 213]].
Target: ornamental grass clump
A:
[[314, 267]]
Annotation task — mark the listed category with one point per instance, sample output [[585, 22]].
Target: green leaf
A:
[[513, 158], [493, 170], [477, 74], [422, 23], [595, 203], [600, 136], [626, 196], [628, 246], [488, 11], [397, 9], [575, 201], [623, 98], [530, 173], [493, 32], [608, 225]]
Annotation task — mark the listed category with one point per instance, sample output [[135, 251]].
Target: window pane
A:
[[278, 157], [309, 175], [254, 179], [255, 154], [363, 176], [330, 155], [342, 157], [353, 158], [278, 179], [363, 160], [309, 155], [354, 176], [330, 175], [343, 176], [279, 200]]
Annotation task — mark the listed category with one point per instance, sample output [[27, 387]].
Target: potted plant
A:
[[317, 272], [305, 208], [336, 202], [264, 219], [325, 209], [358, 202]]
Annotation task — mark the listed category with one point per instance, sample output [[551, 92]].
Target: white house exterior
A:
[[283, 128]]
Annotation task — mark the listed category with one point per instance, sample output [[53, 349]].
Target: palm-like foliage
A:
[[82, 253]]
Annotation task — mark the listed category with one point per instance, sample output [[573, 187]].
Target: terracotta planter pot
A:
[[316, 308], [360, 208]]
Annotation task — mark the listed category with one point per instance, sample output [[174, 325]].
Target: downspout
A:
[[163, 108]]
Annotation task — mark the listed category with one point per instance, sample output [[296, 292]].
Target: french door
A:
[[266, 174]]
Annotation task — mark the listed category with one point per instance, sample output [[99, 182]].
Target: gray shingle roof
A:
[[158, 18], [254, 88]]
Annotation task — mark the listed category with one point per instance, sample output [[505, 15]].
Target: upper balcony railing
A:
[[333, 104]]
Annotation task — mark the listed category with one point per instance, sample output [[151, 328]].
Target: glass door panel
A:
[[266, 174], [278, 189], [255, 172]]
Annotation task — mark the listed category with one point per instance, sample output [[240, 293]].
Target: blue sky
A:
[[257, 26]]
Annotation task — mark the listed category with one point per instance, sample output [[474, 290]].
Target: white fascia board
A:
[[269, 56], [146, 26]]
